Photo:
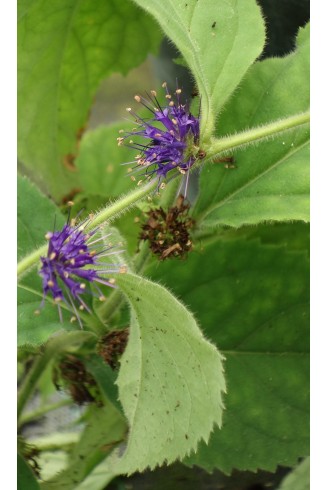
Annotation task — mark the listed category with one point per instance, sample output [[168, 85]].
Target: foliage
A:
[[299, 478], [201, 358], [272, 304]]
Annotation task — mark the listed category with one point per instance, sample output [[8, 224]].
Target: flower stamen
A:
[[174, 146], [72, 263]]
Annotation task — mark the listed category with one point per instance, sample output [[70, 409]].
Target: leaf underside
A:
[[170, 381]]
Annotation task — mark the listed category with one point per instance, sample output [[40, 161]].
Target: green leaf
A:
[[271, 181], [170, 381], [36, 215], [219, 40], [100, 162], [105, 377], [51, 462], [252, 300], [99, 478], [299, 478], [293, 236], [25, 476], [105, 428], [65, 48], [35, 326]]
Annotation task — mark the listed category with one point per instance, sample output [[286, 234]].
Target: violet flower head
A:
[[171, 134], [73, 264]]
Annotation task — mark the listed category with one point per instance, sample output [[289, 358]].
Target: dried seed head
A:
[[168, 232], [112, 346], [71, 374]]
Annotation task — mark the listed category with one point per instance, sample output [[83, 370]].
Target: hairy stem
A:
[[27, 262], [239, 140], [112, 304], [110, 307], [124, 203]]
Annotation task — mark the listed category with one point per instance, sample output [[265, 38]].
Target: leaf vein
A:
[[251, 181]]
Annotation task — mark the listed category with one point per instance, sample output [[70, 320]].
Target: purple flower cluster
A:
[[172, 135], [72, 265]]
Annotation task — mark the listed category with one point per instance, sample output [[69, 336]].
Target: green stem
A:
[[59, 446], [112, 304], [142, 257], [47, 443], [54, 346], [113, 210], [31, 259], [30, 381], [110, 307], [239, 140], [168, 197], [39, 412], [124, 203]]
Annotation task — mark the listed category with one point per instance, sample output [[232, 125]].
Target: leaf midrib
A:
[[192, 48], [236, 30]]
